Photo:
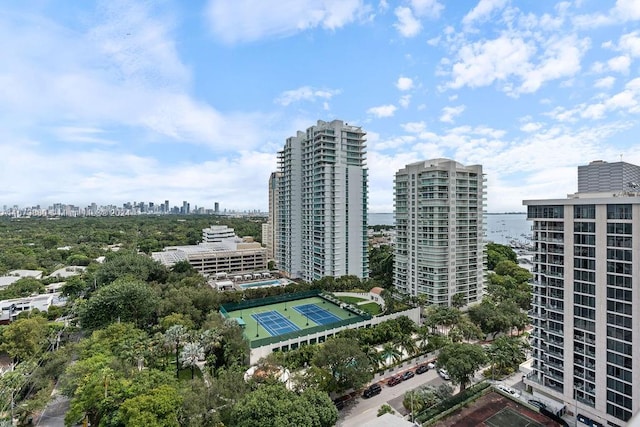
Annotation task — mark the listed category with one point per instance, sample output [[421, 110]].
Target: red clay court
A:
[[495, 410]]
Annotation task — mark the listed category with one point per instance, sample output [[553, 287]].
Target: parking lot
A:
[[360, 410]]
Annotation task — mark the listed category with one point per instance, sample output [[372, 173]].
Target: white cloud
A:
[[414, 127], [407, 25], [630, 43], [404, 101], [449, 113], [619, 64], [90, 176], [404, 83], [605, 82], [383, 110], [483, 10], [561, 59], [305, 93], [128, 61], [510, 58], [531, 127], [623, 11], [482, 63], [248, 20], [629, 10], [427, 8], [82, 134]]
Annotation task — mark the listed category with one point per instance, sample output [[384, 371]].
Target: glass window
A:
[[584, 211], [619, 212]]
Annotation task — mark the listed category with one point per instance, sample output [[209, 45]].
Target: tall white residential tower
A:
[[586, 303], [322, 203], [439, 211]]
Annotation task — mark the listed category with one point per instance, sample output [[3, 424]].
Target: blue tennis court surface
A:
[[274, 323], [316, 313]]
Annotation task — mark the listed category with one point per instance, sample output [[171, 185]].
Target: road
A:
[[53, 415], [362, 410]]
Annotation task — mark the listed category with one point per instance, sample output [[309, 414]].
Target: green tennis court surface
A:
[[275, 319]]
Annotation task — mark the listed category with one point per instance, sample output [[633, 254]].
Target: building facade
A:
[[440, 249], [586, 303], [321, 226], [217, 233], [269, 229]]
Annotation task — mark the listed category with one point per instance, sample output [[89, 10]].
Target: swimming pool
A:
[[261, 284]]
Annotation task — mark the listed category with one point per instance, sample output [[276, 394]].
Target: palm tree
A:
[[173, 337], [210, 340], [423, 337], [191, 353], [373, 355], [407, 343], [390, 352]]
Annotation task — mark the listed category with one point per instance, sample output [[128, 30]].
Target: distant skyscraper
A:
[[439, 211], [322, 203], [586, 295], [269, 233], [216, 207], [166, 206]]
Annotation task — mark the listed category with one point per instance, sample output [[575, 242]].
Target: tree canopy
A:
[[345, 364], [125, 300], [462, 361], [274, 405], [497, 252]]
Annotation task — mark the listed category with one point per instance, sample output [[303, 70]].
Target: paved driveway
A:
[[361, 410]]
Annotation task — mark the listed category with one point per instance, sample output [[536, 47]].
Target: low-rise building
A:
[[11, 308], [229, 256]]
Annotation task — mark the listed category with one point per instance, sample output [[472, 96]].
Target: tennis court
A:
[[316, 314], [280, 318], [274, 322], [508, 418]]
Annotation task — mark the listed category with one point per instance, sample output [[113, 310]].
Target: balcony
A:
[[554, 307], [558, 332]]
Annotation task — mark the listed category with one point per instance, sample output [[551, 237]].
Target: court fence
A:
[[303, 332], [264, 346], [440, 410], [233, 306]]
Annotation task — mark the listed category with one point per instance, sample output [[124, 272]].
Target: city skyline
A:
[[121, 100]]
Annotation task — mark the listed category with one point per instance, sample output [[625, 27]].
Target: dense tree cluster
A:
[[45, 244]]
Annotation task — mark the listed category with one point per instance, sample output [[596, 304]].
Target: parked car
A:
[[537, 403], [421, 369], [508, 390], [372, 390], [394, 380], [408, 375], [444, 374], [431, 365]]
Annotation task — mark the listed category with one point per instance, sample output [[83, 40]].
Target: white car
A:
[[431, 365], [444, 374], [508, 390]]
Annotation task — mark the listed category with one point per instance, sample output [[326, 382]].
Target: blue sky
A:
[[119, 101]]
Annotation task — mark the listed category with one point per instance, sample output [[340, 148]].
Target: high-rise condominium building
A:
[[439, 211], [586, 298], [322, 203], [269, 237]]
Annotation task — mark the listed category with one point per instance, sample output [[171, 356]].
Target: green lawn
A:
[[350, 300], [372, 308]]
